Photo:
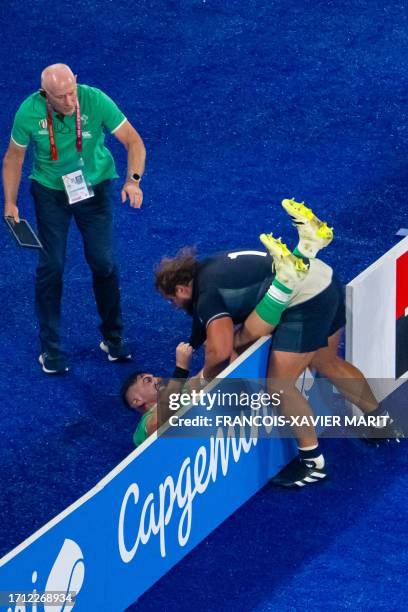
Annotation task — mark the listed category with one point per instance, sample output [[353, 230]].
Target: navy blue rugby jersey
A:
[[229, 283]]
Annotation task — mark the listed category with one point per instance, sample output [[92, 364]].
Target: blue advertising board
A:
[[149, 512]]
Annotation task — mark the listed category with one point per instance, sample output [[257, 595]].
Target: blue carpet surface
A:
[[239, 104]]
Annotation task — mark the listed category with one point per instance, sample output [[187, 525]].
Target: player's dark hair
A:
[[178, 270], [130, 380]]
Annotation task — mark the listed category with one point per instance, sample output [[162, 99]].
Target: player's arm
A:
[[219, 346], [12, 169], [133, 143], [184, 353]]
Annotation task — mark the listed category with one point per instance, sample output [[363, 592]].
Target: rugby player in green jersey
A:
[[140, 392]]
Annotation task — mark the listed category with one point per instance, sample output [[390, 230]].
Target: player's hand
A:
[[11, 210], [132, 190], [184, 353]]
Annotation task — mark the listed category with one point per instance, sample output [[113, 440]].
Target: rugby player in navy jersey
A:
[[300, 301]]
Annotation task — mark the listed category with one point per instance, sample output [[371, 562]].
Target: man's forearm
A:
[[219, 346], [136, 157], [214, 363], [12, 170]]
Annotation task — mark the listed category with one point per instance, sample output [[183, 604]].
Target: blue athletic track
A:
[[240, 104]]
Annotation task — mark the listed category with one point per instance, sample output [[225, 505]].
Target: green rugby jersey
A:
[[98, 113], [141, 434]]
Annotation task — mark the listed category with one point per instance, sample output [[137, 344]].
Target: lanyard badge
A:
[[75, 184]]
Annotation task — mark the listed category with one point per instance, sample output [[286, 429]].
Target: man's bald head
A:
[[56, 77], [59, 83]]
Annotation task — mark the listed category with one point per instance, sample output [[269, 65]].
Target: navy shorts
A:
[[306, 327]]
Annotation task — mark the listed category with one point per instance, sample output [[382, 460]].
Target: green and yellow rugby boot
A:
[[313, 233], [290, 270]]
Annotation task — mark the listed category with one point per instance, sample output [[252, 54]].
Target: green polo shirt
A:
[[98, 113]]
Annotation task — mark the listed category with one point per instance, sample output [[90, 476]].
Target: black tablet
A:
[[23, 233]]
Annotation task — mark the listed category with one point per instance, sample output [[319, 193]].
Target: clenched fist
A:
[[184, 353]]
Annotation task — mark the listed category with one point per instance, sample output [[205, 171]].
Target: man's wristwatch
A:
[[134, 177]]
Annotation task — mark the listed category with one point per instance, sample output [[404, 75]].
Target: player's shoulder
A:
[[212, 263], [239, 259], [214, 259]]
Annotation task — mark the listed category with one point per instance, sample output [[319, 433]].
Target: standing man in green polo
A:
[[71, 177]]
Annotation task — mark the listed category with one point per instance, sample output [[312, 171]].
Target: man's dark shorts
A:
[[306, 327]]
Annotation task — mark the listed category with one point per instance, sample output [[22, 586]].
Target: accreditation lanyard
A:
[[54, 154]]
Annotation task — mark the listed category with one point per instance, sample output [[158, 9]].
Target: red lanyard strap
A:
[[53, 148], [54, 154], [78, 128]]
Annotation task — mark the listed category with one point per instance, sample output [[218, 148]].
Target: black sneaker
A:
[[53, 364], [116, 351], [299, 473], [377, 436]]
